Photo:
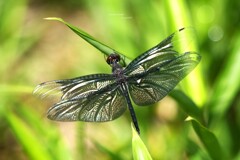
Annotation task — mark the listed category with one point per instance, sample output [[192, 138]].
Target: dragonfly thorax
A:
[[118, 73], [117, 69]]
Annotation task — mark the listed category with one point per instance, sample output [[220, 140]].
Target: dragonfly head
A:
[[113, 59]]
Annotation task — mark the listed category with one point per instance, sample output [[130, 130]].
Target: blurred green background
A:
[[33, 50]]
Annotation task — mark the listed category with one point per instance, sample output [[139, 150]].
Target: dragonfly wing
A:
[[88, 98], [104, 105], [173, 46], [149, 87], [73, 88]]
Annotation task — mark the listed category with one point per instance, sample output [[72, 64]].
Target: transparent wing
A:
[[151, 86], [173, 46], [104, 105], [73, 88]]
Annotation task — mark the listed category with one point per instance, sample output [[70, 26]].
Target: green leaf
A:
[[27, 138], [46, 134], [179, 17], [31, 132], [139, 150], [110, 153], [187, 105], [97, 44], [209, 141], [227, 84]]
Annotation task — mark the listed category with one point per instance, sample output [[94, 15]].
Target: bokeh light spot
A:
[[215, 33]]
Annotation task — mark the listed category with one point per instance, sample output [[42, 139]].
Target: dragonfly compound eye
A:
[[113, 58]]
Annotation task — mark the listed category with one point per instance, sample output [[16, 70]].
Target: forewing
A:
[[173, 46], [104, 105], [73, 88], [150, 87]]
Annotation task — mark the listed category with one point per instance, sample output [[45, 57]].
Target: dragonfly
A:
[[104, 97]]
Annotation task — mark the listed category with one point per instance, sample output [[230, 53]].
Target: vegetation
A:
[[198, 120]]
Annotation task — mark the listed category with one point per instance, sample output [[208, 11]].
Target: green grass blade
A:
[[139, 150], [187, 105], [227, 84], [46, 134], [99, 45], [179, 16], [209, 141], [27, 138], [111, 154]]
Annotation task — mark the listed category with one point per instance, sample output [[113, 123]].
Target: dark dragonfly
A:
[[105, 97]]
